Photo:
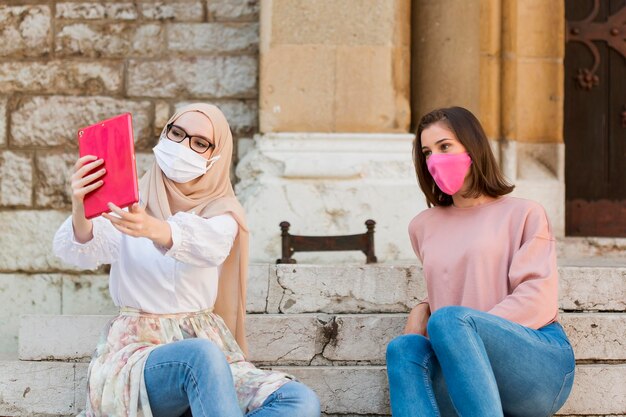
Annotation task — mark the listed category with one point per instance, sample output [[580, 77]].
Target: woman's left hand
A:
[[137, 223]]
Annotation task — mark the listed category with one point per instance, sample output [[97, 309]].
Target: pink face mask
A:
[[449, 170]]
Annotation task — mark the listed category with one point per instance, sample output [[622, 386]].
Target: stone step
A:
[[294, 289], [592, 247], [396, 288], [304, 339], [58, 389]]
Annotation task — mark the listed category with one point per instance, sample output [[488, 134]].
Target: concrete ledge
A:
[[304, 339], [58, 389]]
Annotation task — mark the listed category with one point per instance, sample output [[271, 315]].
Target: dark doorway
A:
[[595, 118]]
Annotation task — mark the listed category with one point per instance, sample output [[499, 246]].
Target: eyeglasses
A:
[[198, 144]]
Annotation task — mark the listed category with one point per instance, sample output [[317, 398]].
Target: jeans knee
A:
[[202, 352], [406, 347], [306, 403], [444, 319]]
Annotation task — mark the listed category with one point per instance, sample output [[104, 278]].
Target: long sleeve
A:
[[533, 277], [201, 242], [102, 249], [416, 247]]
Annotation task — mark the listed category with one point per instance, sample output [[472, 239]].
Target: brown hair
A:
[[485, 175]]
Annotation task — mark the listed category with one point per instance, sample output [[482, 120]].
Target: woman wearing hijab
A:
[[179, 263]]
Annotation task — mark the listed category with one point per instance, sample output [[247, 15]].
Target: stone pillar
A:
[[446, 55], [532, 103], [334, 148], [458, 64], [329, 66]]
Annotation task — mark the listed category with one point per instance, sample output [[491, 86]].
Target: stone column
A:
[[334, 148], [532, 102], [456, 59], [446, 51]]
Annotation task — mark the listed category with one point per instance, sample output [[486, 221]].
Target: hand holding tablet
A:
[[108, 145]]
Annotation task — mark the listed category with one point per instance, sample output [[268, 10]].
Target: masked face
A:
[[446, 158], [179, 163], [449, 170]]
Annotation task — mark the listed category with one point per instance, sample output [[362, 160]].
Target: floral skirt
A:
[[116, 385]]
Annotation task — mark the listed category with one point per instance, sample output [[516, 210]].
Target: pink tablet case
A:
[[111, 140]]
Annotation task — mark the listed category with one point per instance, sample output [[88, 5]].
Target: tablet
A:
[[112, 140]]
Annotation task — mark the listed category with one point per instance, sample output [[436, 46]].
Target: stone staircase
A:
[[329, 326]]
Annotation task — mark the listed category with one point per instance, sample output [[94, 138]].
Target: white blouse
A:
[[151, 278]]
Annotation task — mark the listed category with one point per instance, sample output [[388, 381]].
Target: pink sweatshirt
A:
[[499, 257]]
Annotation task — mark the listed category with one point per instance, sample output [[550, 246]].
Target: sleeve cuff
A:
[[95, 234], [176, 239]]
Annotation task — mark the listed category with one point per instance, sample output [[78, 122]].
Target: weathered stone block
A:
[[20, 294], [213, 37], [211, 77], [346, 389], [311, 288], [187, 11], [40, 335], [587, 288], [348, 22], [87, 294], [26, 31], [40, 388], [490, 96], [53, 179], [61, 77], [3, 121], [601, 251], [242, 115], [54, 120], [538, 104], [370, 96], [598, 389], [539, 30], [234, 9], [112, 40], [295, 85], [111, 11], [67, 10], [26, 243], [162, 114], [285, 339], [490, 28], [597, 336], [16, 179], [448, 70], [258, 282], [363, 337]]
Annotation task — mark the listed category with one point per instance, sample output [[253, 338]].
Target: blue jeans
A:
[[475, 364], [192, 377]]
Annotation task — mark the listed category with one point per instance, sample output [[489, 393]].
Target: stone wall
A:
[[67, 64], [335, 66]]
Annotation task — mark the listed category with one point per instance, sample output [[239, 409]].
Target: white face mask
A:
[[179, 163]]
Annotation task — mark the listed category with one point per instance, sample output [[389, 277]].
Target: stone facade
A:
[[64, 65], [67, 64]]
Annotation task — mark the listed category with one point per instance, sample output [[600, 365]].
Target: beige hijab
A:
[[209, 196]]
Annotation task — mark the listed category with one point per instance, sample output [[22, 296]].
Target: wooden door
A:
[[595, 118]]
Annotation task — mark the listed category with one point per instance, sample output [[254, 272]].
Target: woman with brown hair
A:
[[179, 263], [486, 341]]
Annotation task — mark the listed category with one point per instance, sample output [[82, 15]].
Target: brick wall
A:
[[67, 64]]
